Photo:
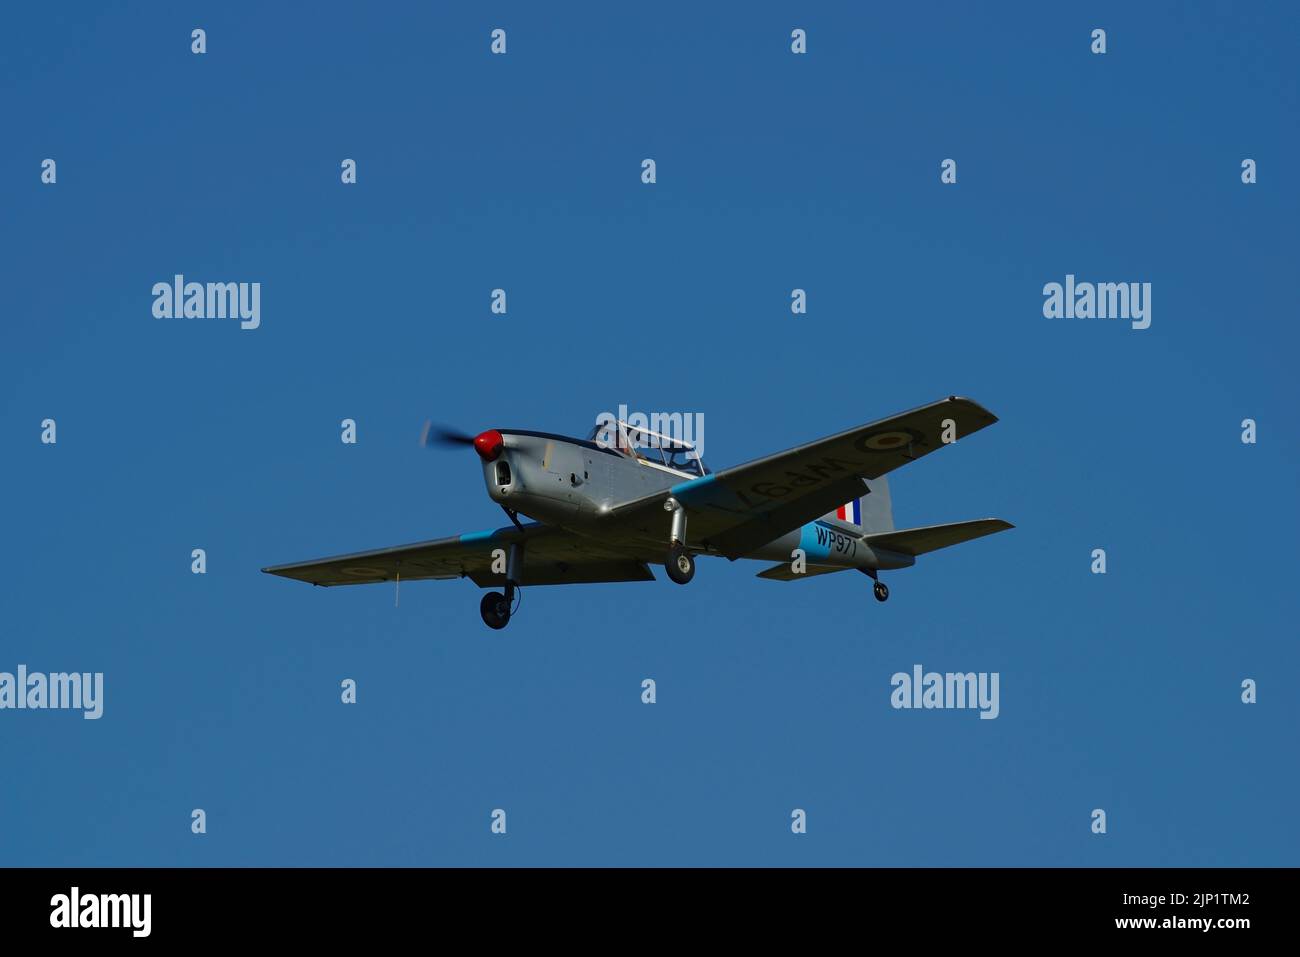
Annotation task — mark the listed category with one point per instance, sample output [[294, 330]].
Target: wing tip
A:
[[995, 525], [977, 407]]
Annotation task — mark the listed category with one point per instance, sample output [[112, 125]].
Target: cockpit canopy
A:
[[648, 447]]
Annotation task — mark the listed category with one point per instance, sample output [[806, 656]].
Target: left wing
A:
[[740, 509], [552, 556]]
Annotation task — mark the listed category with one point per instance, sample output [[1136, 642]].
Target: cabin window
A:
[[647, 446]]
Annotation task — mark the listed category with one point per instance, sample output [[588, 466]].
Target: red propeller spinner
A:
[[488, 444]]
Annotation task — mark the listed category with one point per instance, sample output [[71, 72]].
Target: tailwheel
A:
[[680, 565], [495, 610], [881, 590]]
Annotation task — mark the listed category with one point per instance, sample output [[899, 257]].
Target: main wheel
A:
[[680, 565], [495, 610], [882, 591]]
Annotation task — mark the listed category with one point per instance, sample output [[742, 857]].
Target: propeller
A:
[[487, 444], [442, 436]]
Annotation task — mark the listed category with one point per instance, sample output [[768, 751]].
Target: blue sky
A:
[[522, 171]]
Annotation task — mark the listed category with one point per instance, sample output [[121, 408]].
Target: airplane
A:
[[605, 508]]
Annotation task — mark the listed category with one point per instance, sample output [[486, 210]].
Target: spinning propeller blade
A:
[[441, 436]]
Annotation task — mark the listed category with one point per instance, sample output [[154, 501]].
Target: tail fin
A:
[[873, 512]]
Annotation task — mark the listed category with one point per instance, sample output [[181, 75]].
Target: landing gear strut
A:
[[681, 563], [496, 607], [880, 589]]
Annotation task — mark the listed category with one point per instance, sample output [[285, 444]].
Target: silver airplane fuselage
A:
[[575, 483]]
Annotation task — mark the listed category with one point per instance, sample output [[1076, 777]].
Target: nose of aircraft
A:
[[488, 444]]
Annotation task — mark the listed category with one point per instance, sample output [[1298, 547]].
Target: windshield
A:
[[647, 447], [684, 460]]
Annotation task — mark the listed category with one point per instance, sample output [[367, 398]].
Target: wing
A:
[[552, 556], [740, 509]]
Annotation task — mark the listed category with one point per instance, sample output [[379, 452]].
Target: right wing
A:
[[552, 556], [737, 510]]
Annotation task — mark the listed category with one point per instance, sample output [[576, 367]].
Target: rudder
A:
[[872, 512]]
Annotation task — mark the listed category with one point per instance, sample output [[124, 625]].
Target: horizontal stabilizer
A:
[[782, 572], [918, 541]]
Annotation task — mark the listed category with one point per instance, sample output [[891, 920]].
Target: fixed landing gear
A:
[[680, 565], [495, 609], [880, 589]]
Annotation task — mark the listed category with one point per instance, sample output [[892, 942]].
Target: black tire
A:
[[881, 590], [495, 610], [680, 565]]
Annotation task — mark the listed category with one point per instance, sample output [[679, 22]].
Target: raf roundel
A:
[[363, 571], [886, 441]]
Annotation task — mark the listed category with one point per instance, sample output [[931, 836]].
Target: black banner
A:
[[333, 906]]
